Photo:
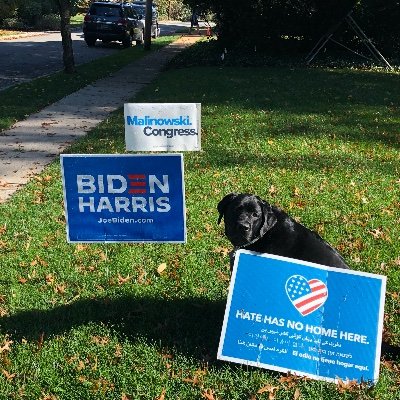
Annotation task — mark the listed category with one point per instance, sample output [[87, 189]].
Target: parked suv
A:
[[140, 8], [112, 22]]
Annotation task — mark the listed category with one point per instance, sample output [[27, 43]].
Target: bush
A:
[[30, 12], [13, 23], [7, 9], [49, 22]]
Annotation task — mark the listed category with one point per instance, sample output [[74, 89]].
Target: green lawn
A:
[[100, 322]]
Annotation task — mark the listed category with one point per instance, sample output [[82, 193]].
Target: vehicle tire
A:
[[140, 40], [127, 41], [90, 41], [156, 32]]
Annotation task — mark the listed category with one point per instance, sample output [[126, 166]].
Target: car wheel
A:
[[156, 32], [127, 42], [140, 40], [90, 41]]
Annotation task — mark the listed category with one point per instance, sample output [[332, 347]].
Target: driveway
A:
[[29, 57]]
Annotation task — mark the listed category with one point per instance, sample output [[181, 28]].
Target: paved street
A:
[[29, 57]]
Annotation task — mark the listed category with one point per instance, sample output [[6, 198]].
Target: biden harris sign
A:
[[293, 316], [124, 198], [162, 126]]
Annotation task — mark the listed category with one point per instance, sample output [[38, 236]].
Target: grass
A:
[[99, 321], [77, 20], [24, 99]]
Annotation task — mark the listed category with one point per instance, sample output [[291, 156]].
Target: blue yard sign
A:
[[290, 315], [124, 198]]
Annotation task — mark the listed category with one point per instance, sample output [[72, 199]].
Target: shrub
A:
[[13, 23], [49, 22], [7, 9]]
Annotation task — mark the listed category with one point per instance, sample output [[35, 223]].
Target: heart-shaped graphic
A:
[[306, 296]]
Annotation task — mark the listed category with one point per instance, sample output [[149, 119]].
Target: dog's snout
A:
[[244, 227]]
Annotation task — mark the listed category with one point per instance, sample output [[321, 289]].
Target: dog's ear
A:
[[268, 216], [224, 203]]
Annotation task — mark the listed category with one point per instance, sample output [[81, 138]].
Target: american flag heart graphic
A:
[[306, 296]]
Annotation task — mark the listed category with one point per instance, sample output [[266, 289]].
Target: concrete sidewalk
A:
[[30, 145]]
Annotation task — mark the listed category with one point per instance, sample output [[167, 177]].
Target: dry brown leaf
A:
[[296, 192], [270, 390], [208, 394], [162, 395], [161, 268], [347, 386], [81, 365], [100, 340], [297, 394], [61, 288], [125, 397], [80, 247], [6, 346], [223, 277], [3, 229], [22, 280], [8, 376], [122, 280], [272, 190], [194, 381], [290, 380], [222, 250]]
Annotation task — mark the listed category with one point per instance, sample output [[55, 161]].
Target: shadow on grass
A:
[[191, 325]]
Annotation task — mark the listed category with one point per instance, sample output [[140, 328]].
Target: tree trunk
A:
[[148, 22], [68, 53]]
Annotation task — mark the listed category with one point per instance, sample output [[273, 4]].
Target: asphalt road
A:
[[29, 57]]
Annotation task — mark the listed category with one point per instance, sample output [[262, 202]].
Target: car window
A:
[[105, 11], [141, 10], [128, 12]]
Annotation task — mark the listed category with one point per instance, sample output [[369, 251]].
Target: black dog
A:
[[253, 224]]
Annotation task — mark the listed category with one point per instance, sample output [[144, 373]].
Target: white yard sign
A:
[[162, 126]]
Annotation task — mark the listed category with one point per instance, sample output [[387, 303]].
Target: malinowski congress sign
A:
[[162, 126], [290, 315], [124, 198]]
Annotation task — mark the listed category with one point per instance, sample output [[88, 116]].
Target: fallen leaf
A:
[[122, 280], [270, 390], [222, 250], [60, 289], [6, 346], [100, 340], [347, 386], [162, 396], [161, 268], [8, 376], [208, 394], [297, 394], [22, 280]]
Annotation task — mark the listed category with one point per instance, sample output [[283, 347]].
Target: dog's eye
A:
[[255, 214]]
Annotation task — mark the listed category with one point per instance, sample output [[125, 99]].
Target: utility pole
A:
[[148, 23]]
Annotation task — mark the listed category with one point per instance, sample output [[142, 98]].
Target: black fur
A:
[[253, 224]]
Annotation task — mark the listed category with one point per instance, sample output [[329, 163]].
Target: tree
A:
[[65, 7]]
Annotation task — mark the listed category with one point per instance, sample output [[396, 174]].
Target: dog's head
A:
[[247, 217]]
